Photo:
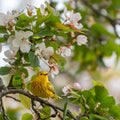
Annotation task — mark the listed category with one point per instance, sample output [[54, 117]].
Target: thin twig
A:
[[12, 98], [36, 112]]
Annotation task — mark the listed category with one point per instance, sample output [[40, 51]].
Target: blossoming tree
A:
[[42, 39]]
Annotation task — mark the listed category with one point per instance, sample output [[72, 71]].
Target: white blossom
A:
[[73, 19], [12, 47], [81, 40], [49, 66], [10, 56], [44, 64], [64, 51], [48, 52], [31, 10], [8, 19], [54, 70], [42, 8], [43, 51], [66, 90], [20, 41]]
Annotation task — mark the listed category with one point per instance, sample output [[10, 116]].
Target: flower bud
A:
[[77, 86]]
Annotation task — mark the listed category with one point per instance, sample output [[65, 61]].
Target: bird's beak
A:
[[46, 74]]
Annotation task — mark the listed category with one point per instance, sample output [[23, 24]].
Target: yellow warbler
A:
[[42, 87]]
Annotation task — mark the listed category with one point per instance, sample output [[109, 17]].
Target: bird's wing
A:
[[50, 87]]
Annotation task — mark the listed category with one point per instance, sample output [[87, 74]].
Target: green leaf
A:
[[96, 83], [44, 18], [13, 113], [33, 59], [101, 92], [65, 111], [115, 112], [43, 32], [59, 59], [17, 81], [17, 62], [27, 116], [53, 44], [4, 70], [107, 101], [54, 18], [113, 46], [96, 117], [110, 47], [87, 94], [23, 71], [26, 57], [39, 14], [62, 27], [45, 112], [48, 32], [1, 117], [101, 62], [115, 4], [24, 21], [3, 29], [98, 29], [84, 118], [74, 100], [2, 39], [25, 101]]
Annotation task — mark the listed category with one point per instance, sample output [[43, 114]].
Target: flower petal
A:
[[8, 53], [44, 65], [81, 40], [27, 34], [16, 42], [25, 47], [41, 46], [19, 34], [48, 52]]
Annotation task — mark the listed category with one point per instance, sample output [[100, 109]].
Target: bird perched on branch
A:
[[42, 87]]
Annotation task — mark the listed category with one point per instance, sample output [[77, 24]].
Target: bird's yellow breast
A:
[[39, 88], [42, 87]]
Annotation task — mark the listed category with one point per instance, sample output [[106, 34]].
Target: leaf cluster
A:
[[94, 104]]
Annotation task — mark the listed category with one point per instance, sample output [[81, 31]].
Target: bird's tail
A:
[[57, 97]]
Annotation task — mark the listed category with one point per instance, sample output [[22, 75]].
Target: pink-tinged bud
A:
[[77, 86], [66, 90]]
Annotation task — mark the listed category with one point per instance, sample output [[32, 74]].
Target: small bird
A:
[[42, 87]]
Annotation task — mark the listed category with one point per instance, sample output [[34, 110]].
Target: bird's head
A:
[[43, 73]]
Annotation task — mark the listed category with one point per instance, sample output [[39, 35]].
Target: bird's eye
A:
[[40, 73]]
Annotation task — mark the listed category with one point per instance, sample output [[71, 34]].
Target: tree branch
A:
[[2, 86], [2, 110], [32, 97], [112, 21]]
